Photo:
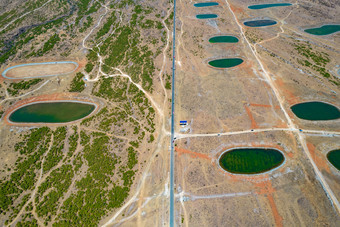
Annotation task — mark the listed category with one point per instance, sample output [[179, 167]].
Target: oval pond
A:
[[334, 158], [259, 23], [205, 4], [38, 70], [324, 30], [223, 39], [225, 62], [264, 6], [52, 112], [206, 16], [316, 111], [251, 160]]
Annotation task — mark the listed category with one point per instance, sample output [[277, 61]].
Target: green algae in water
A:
[[52, 112], [205, 4], [251, 160], [206, 16], [324, 30], [316, 111], [264, 6], [223, 39], [334, 158], [226, 62], [259, 23]]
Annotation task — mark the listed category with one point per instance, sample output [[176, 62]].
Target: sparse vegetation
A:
[[77, 84], [87, 170], [15, 88], [313, 59]]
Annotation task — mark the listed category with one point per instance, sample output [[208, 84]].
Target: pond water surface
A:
[[316, 111], [324, 30], [225, 62], [205, 4], [223, 39], [52, 112], [206, 16], [264, 6], [259, 23], [334, 158], [251, 160]]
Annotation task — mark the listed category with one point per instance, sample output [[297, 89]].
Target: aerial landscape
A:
[[169, 113]]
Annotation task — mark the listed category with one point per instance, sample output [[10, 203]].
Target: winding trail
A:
[[9, 98], [163, 134], [3, 28], [301, 136], [281, 26], [35, 188]]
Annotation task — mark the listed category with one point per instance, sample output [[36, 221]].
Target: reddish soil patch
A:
[[81, 64], [264, 105], [266, 188], [236, 9], [281, 124], [319, 161], [290, 97], [250, 115], [193, 154]]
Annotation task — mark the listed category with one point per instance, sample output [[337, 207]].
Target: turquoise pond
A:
[[206, 16], [316, 111], [205, 4], [324, 30], [52, 112], [264, 6], [259, 23], [223, 39]]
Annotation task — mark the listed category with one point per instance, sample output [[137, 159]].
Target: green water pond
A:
[[324, 30], [223, 39], [316, 111], [251, 160], [51, 112], [334, 158], [225, 62]]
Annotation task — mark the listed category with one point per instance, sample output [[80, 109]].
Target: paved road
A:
[[172, 157]]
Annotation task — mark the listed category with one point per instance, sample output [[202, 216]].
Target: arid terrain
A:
[[113, 166]]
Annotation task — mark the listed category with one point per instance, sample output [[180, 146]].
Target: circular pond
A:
[[38, 70], [205, 4], [206, 16], [264, 6], [251, 160], [316, 111], [324, 30], [334, 158], [52, 112], [223, 39], [225, 62], [259, 23]]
